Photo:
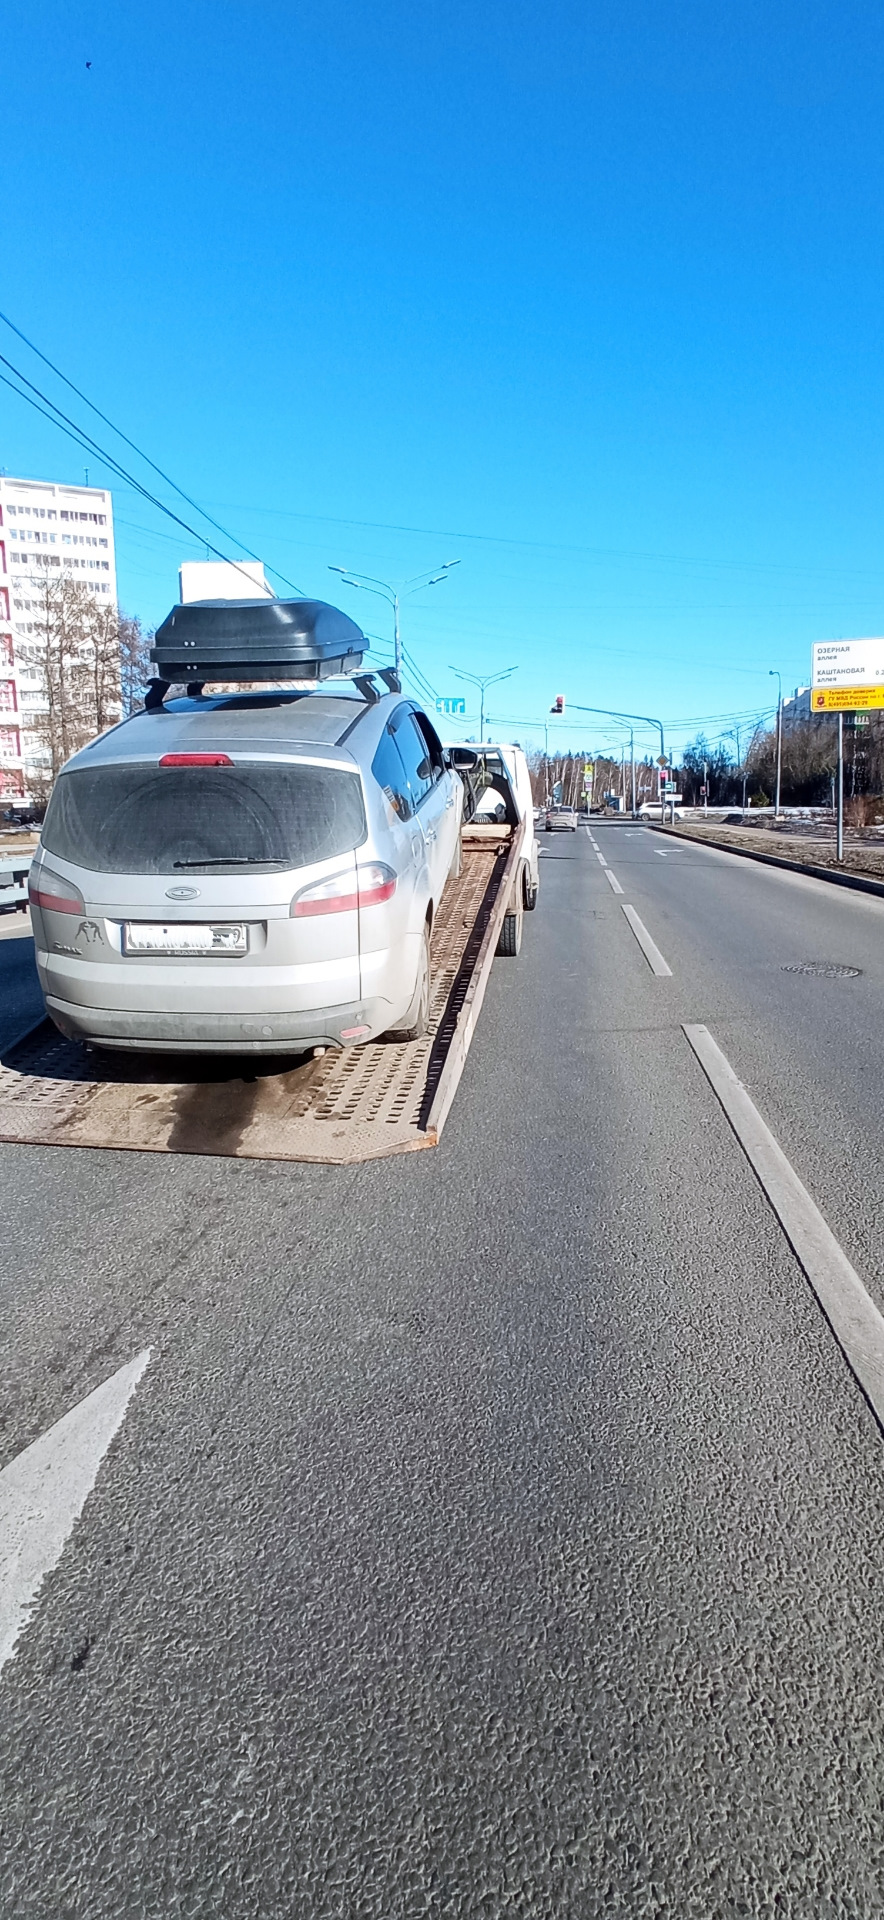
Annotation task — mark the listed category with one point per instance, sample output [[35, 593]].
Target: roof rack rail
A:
[[366, 686]]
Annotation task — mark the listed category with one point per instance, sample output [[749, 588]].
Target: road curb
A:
[[857, 881]]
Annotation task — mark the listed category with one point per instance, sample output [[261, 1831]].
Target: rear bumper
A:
[[138, 1032]]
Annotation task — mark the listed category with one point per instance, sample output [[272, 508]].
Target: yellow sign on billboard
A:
[[846, 699]]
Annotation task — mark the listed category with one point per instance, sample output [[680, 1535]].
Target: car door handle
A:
[[430, 833]]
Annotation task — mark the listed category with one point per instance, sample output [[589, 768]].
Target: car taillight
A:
[[374, 883], [54, 894]]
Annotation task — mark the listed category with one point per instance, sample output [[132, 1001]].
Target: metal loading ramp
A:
[[361, 1103]]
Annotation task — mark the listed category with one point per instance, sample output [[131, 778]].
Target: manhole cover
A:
[[830, 969]]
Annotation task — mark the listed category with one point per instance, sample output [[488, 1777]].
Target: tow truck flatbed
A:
[[358, 1103]]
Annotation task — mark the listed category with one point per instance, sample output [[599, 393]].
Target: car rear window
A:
[[139, 819]]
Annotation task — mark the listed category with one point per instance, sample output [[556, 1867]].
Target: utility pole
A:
[[778, 677], [705, 790]]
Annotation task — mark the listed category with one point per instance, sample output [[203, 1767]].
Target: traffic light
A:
[[558, 705]]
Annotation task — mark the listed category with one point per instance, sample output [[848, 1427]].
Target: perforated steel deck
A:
[[357, 1104]]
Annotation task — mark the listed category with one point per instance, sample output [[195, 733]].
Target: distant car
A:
[[660, 809], [561, 820]]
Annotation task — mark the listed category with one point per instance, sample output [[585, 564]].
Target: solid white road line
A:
[[852, 1315], [613, 882], [651, 952], [44, 1490]]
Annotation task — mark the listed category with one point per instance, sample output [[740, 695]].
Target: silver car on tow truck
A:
[[247, 872]]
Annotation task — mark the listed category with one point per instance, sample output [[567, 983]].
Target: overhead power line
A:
[[72, 429], [125, 437]]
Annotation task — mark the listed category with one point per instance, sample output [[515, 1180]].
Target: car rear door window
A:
[[141, 819], [415, 755], [389, 772], [433, 744]]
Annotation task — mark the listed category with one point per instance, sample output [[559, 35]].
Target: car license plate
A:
[[141, 936]]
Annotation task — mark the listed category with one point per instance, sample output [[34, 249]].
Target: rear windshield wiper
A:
[[232, 860]]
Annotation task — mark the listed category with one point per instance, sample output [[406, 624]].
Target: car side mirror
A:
[[462, 759]]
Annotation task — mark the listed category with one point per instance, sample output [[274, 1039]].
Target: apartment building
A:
[[42, 525]]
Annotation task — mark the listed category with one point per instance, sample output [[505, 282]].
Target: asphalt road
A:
[[495, 1530]]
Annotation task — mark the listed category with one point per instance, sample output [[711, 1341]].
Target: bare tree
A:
[[74, 654], [136, 668]]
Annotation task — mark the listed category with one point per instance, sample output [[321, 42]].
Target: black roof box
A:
[[256, 640]]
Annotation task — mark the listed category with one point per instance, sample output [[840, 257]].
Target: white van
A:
[[506, 782]]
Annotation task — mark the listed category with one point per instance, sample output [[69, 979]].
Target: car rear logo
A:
[[182, 893]]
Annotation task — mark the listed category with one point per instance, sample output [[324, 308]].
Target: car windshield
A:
[[151, 819]]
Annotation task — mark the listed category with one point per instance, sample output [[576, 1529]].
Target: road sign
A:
[[452, 705], [846, 699], [662, 760], [855, 720], [848, 663]]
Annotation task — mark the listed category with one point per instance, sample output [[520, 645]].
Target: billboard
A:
[[848, 663]]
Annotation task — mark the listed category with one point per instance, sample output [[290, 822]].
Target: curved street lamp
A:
[[482, 680], [393, 594]]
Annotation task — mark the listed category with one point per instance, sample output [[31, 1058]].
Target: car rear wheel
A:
[[417, 1019]]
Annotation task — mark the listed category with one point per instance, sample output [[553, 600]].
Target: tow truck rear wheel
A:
[[417, 1019], [511, 932]]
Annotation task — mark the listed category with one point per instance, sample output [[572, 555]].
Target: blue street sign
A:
[[453, 705]]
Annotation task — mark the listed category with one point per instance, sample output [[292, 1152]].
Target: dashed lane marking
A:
[[852, 1315], [651, 952], [612, 880]]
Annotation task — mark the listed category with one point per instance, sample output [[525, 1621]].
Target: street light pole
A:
[[367, 583], [482, 680], [779, 680], [733, 733]]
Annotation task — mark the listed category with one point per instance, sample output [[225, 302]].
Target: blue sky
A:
[[589, 297]]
